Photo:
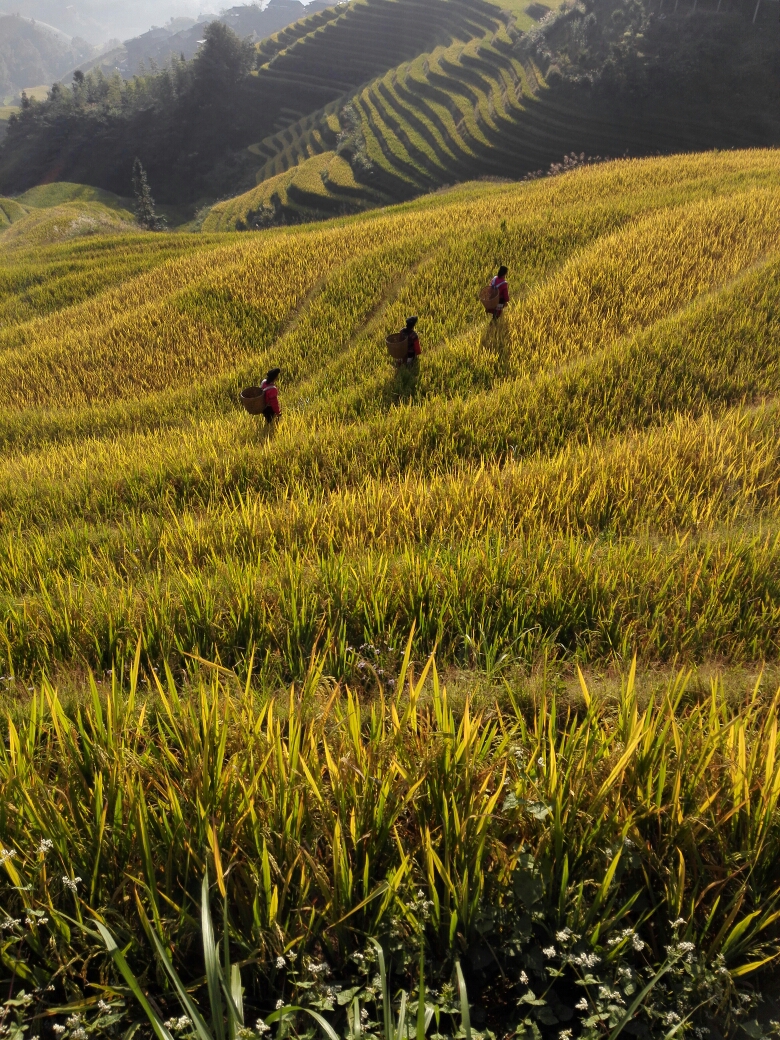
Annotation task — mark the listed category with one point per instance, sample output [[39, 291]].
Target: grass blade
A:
[[118, 957]]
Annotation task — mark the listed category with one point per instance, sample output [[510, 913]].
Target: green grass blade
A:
[[203, 1031], [237, 993], [637, 1002], [465, 1016], [421, 1002], [118, 957], [211, 962], [386, 1008], [401, 1024], [323, 1023]]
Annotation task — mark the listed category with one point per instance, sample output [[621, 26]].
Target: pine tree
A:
[[144, 203]]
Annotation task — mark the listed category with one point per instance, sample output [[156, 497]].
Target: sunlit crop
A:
[[592, 477]]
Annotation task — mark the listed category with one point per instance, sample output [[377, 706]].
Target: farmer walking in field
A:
[[413, 349], [272, 409], [500, 283]]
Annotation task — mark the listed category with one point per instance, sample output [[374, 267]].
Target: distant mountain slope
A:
[[32, 53], [509, 103], [182, 37], [381, 100], [192, 126], [100, 20]]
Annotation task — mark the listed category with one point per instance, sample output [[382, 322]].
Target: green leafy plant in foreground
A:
[[572, 859], [226, 999]]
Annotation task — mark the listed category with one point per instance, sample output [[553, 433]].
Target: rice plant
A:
[[214, 641]]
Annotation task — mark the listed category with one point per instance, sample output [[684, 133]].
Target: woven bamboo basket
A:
[[397, 346], [489, 298], [253, 399]]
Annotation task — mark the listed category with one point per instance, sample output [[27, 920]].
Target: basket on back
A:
[[489, 297], [397, 346], [253, 399]]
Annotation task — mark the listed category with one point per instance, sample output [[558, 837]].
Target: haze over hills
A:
[[100, 20], [182, 37], [32, 53]]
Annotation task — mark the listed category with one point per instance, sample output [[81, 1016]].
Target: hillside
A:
[[100, 20], [32, 53], [644, 330], [509, 103], [218, 718], [191, 126], [467, 90], [182, 37]]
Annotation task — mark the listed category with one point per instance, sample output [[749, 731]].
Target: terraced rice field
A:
[[478, 104], [317, 60], [592, 477]]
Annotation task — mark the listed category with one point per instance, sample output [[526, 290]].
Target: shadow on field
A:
[[404, 384], [495, 340]]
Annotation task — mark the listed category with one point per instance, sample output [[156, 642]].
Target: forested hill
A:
[[191, 124], [380, 100]]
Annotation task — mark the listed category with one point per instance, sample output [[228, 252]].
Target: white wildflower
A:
[[637, 943], [540, 763], [550, 951], [679, 923], [564, 935], [281, 962], [523, 978], [103, 1007], [10, 922], [261, 1027], [6, 854], [363, 1015], [279, 1004], [79, 1034], [582, 1005], [44, 846], [58, 1028], [71, 884], [671, 1019], [586, 960], [565, 1034]]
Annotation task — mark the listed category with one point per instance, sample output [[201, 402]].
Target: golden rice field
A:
[[594, 476], [593, 479]]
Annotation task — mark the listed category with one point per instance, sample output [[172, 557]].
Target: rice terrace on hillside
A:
[[371, 684]]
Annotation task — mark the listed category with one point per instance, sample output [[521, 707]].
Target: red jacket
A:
[[271, 397], [503, 290], [412, 344]]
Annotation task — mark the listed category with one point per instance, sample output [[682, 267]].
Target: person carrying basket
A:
[[413, 349], [272, 409], [500, 283]]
